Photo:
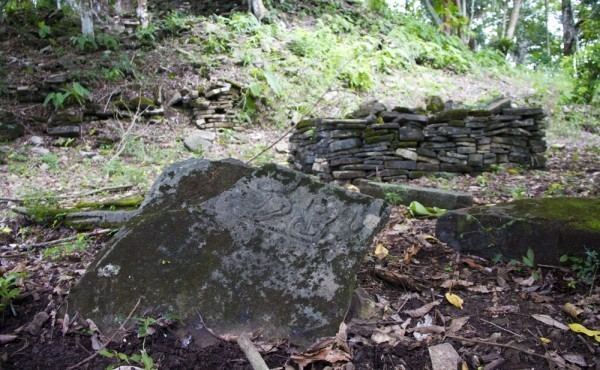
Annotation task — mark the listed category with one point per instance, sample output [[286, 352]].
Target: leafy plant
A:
[[84, 42], [586, 268], [416, 209], [57, 99], [75, 93], [529, 258], [43, 30], [107, 41], [113, 74], [140, 359], [358, 78], [217, 44], [175, 22], [146, 35], [51, 160], [145, 326], [393, 198], [9, 288], [64, 250]]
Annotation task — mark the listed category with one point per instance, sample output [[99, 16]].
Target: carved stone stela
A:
[[266, 248]]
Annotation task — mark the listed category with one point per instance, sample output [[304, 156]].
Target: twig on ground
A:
[[252, 354], [501, 328], [502, 345], [127, 131], [110, 339]]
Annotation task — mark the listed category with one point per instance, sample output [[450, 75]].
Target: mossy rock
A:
[[451, 115], [305, 123], [551, 227], [434, 104], [379, 139]]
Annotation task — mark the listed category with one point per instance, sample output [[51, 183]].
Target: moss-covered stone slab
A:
[[236, 249], [551, 227], [405, 194]]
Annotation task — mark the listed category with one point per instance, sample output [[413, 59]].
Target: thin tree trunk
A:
[[257, 8], [432, 13], [514, 19], [547, 12], [87, 17], [569, 28], [504, 20], [142, 12]]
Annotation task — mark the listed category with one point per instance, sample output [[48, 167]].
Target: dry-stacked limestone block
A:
[[400, 143], [214, 109]]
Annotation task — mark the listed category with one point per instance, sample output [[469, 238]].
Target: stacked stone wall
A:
[[402, 143]]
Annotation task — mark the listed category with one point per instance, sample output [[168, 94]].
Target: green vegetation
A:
[[75, 93], [416, 209], [142, 359], [64, 250], [9, 288], [586, 268]]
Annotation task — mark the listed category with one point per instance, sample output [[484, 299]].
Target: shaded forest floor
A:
[[495, 328]]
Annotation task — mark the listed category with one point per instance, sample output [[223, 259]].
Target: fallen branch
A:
[[105, 344], [73, 195], [63, 240], [502, 345], [252, 354]]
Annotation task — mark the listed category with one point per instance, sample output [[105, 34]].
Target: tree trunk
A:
[[432, 13], [257, 8], [547, 12], [142, 12], [504, 20], [514, 19], [87, 17], [569, 28]]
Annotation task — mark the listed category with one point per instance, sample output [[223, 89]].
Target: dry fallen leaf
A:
[[576, 359], [457, 324], [545, 340], [6, 338], [380, 251], [331, 350], [423, 310], [455, 300], [410, 252], [550, 321], [578, 328], [572, 310], [499, 310], [451, 283]]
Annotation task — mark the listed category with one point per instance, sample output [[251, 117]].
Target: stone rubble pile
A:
[[401, 143], [212, 108]]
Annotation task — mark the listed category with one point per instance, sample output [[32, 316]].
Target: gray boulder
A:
[[235, 249], [551, 227]]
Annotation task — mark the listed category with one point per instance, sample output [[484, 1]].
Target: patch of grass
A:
[[121, 173], [64, 250], [265, 157], [52, 161]]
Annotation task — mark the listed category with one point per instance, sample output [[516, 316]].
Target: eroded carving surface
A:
[[265, 248]]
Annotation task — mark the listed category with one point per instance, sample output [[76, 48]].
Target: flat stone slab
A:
[[235, 249], [552, 227], [429, 197]]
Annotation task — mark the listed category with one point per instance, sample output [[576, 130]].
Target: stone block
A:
[[429, 197]]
